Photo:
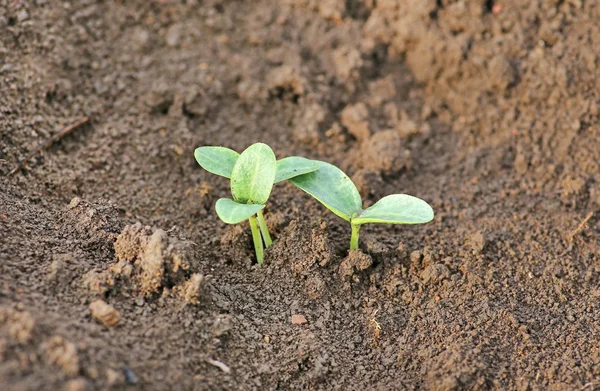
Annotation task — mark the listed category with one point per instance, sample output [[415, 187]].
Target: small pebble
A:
[[105, 313], [299, 319], [130, 377]]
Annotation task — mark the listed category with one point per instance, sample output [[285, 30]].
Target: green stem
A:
[[354, 237], [264, 229], [258, 244]]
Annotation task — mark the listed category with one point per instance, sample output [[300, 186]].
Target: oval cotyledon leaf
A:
[[232, 212], [396, 209], [293, 166], [331, 187], [253, 174], [217, 160]]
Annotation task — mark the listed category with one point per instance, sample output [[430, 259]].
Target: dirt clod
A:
[[347, 61], [285, 80], [192, 289], [62, 354], [158, 260], [435, 273], [98, 283], [18, 325], [477, 242], [355, 261], [105, 313], [354, 118], [384, 151]]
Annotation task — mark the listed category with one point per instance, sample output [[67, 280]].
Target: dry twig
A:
[[580, 227], [49, 142]]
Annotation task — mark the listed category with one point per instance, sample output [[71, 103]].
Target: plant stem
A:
[[258, 244], [354, 237], [264, 229]]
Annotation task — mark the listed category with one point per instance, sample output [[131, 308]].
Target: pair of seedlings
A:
[[253, 173]]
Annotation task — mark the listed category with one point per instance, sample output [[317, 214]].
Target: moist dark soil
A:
[[115, 272]]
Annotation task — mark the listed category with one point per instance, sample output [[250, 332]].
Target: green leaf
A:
[[396, 209], [331, 187], [253, 174], [232, 212], [293, 166], [218, 160]]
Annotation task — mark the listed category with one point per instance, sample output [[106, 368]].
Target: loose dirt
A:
[[486, 109]]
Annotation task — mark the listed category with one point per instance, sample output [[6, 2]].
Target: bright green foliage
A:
[[331, 187], [254, 171], [396, 209], [220, 161], [232, 212], [253, 175], [292, 166], [217, 160]]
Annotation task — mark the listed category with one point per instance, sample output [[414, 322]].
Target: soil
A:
[[489, 110]]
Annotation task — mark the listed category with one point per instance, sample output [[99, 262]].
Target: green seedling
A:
[[331, 186], [252, 175]]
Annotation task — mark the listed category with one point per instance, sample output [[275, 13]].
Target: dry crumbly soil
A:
[[115, 272]]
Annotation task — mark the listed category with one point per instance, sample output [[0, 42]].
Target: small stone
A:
[[173, 35], [299, 319], [130, 377], [105, 313], [74, 202]]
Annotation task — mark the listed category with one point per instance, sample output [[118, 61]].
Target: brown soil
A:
[[489, 110]]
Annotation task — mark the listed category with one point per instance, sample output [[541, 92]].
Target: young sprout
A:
[[252, 175], [331, 186]]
